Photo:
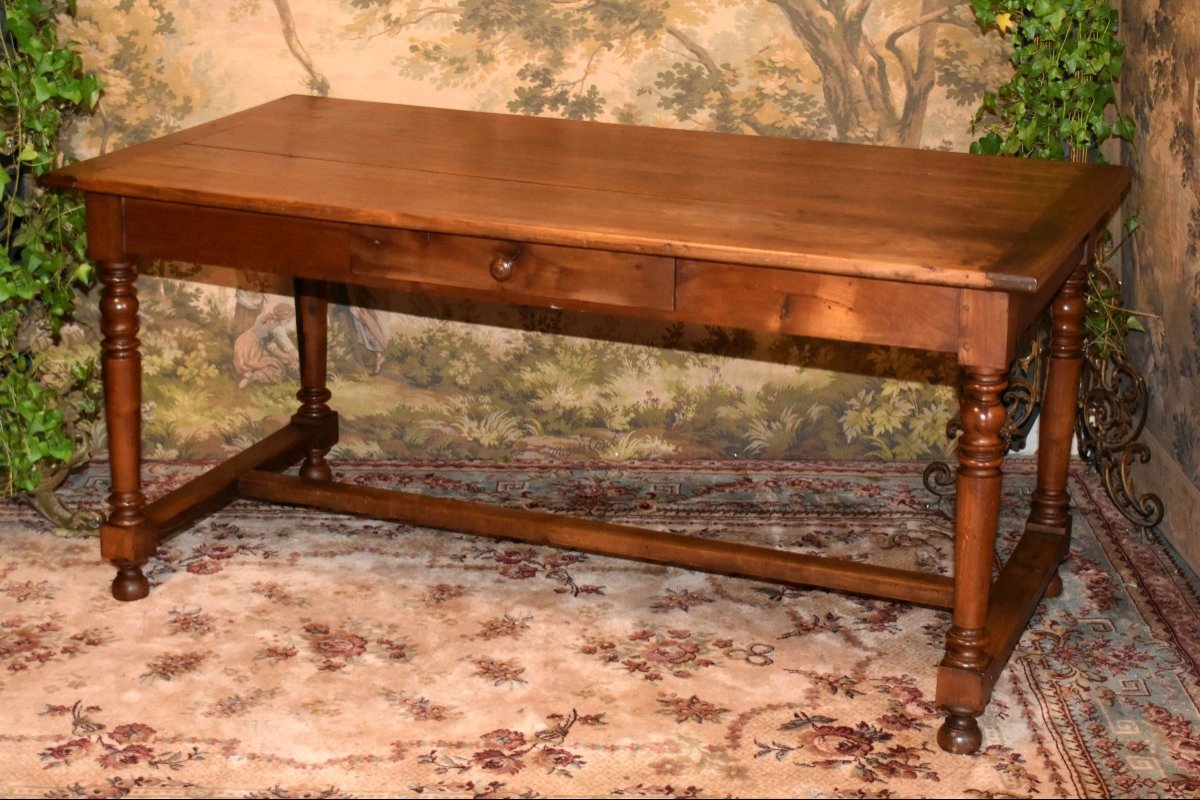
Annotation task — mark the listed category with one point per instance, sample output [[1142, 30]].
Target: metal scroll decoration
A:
[[1111, 413], [1022, 399]]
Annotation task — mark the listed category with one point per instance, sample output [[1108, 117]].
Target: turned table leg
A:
[[125, 539], [312, 331], [980, 454], [1050, 508]]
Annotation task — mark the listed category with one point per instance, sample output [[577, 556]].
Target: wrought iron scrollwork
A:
[[939, 480], [1026, 383], [1111, 413], [1113, 402]]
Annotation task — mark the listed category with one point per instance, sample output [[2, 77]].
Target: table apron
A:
[[774, 300]]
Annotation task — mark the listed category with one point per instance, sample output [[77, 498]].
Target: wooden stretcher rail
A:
[[602, 538], [216, 488], [1020, 586]]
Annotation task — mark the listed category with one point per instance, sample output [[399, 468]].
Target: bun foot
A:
[[130, 584], [1054, 589], [960, 734]]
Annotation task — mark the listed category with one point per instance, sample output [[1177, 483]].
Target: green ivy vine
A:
[[1061, 102], [43, 260], [1066, 59]]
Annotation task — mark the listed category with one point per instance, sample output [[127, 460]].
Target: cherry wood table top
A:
[[917, 216]]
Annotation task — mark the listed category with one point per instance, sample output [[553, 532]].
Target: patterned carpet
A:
[[286, 654]]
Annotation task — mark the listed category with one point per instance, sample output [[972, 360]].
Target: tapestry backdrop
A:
[[409, 376], [1162, 91]]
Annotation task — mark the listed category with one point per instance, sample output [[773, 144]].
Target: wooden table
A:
[[940, 251]]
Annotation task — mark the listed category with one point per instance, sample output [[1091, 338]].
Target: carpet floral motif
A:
[[285, 654]]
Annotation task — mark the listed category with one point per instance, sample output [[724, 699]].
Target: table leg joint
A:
[[212, 490]]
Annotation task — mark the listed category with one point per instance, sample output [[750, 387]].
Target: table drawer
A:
[[535, 273]]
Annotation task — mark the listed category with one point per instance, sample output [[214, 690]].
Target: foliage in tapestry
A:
[[855, 72]]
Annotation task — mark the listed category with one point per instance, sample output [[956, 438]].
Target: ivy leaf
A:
[[72, 93], [44, 254], [984, 13], [989, 145], [42, 90], [22, 29], [1124, 128], [61, 448], [90, 89]]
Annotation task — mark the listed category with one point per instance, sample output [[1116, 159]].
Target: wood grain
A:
[[538, 272], [243, 240], [217, 487], [856, 210], [605, 538], [826, 306]]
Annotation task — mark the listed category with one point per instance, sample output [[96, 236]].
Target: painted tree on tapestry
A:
[[316, 82], [854, 71], [147, 91]]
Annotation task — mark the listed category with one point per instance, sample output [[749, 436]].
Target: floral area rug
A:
[[284, 653]]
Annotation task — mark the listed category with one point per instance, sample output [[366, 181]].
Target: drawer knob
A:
[[502, 267]]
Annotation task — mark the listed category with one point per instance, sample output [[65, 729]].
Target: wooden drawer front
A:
[[826, 306], [240, 239], [536, 273]]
